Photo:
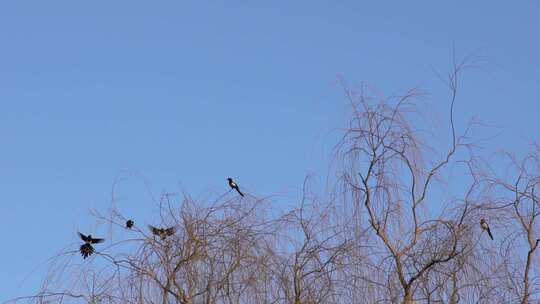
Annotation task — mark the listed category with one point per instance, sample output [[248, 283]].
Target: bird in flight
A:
[[162, 232], [129, 224], [485, 227], [86, 248], [234, 186]]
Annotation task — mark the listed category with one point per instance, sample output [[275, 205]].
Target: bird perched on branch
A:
[[86, 248], [485, 227], [129, 224], [163, 233], [234, 186]]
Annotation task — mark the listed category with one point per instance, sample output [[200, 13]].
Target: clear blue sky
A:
[[188, 94]]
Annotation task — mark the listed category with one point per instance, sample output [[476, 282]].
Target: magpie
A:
[[162, 232], [129, 224], [485, 227], [86, 248], [234, 186]]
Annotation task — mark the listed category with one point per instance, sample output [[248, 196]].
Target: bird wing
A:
[[97, 241], [154, 230], [170, 231], [83, 237]]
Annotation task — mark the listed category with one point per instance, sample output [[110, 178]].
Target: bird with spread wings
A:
[[163, 233], [86, 249]]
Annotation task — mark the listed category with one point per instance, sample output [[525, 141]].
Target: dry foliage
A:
[[387, 232]]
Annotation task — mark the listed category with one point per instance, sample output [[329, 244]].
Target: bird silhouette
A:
[[485, 227], [163, 233], [234, 186], [129, 224], [86, 248]]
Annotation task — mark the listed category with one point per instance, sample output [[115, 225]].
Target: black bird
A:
[[234, 186], [87, 249], [129, 224], [485, 227], [162, 232]]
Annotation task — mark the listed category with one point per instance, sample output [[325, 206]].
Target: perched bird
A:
[[129, 224], [234, 186], [162, 232], [485, 227], [87, 249]]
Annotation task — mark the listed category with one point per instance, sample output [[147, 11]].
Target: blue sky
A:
[[185, 94]]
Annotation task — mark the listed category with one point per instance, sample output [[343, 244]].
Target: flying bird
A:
[[234, 186], [86, 248], [129, 224], [485, 227], [162, 232]]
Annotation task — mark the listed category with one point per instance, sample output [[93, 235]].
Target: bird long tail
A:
[[239, 192], [489, 233]]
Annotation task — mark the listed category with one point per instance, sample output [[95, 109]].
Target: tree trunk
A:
[[408, 297]]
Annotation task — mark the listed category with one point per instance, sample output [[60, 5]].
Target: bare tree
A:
[[518, 204], [389, 230], [390, 176]]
